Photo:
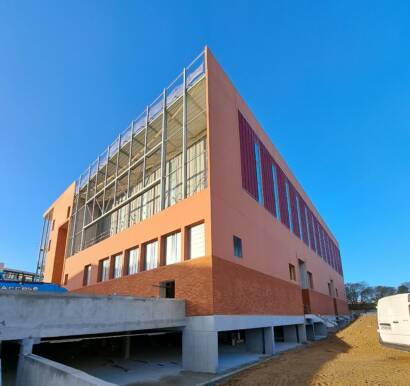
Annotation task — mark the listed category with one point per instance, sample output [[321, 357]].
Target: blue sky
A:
[[329, 82]]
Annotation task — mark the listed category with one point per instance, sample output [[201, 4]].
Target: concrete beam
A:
[[49, 315]]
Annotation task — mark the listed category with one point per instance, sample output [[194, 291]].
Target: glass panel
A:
[[133, 260], [173, 248], [151, 251], [117, 266], [197, 241], [136, 179], [153, 167]]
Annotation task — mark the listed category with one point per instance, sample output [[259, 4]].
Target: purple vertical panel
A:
[[303, 219], [312, 235], [318, 238], [284, 216], [293, 205], [248, 162], [267, 179]]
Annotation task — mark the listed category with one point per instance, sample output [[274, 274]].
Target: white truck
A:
[[393, 319]]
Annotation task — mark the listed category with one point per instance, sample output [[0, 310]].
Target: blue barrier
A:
[[6, 285]]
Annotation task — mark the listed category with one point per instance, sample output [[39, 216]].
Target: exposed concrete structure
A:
[[37, 315], [40, 371], [200, 337]]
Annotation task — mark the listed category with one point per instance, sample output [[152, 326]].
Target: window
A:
[[87, 275], [299, 221], [104, 269], [196, 236], [337, 294], [151, 253], [68, 211], [133, 260], [292, 272], [167, 289], [49, 245], [288, 205], [310, 279], [275, 191], [117, 266], [329, 287], [258, 173], [237, 246], [66, 279], [307, 226], [173, 248], [53, 224]]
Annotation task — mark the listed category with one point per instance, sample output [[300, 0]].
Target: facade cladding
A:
[[192, 200]]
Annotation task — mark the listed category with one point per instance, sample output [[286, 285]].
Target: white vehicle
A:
[[393, 318]]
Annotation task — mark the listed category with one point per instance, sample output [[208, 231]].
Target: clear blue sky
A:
[[329, 81]]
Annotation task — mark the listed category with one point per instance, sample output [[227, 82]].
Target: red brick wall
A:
[[321, 304], [193, 282], [342, 307], [241, 290]]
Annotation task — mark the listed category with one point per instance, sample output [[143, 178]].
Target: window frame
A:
[[237, 247]]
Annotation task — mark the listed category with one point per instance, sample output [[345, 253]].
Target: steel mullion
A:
[[85, 207], [163, 148], [184, 136]]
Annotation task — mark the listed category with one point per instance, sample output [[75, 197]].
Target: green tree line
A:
[[362, 293]]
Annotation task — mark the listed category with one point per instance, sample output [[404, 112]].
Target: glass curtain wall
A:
[[160, 159]]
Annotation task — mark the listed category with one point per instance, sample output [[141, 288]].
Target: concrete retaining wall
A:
[[39, 371], [37, 315]]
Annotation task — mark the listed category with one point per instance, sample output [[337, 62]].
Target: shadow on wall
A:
[[193, 282], [294, 368]]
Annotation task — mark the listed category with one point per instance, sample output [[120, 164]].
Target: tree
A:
[[353, 291], [367, 295], [403, 288], [381, 291]]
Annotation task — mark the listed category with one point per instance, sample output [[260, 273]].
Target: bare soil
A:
[[353, 356]]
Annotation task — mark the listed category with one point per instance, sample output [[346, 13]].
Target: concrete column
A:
[[26, 348], [302, 333], [200, 351], [269, 336], [126, 347], [254, 340]]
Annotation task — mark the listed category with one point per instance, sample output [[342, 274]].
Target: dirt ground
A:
[[353, 356]]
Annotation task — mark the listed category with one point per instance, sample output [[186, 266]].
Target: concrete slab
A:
[[231, 357], [286, 346], [47, 315]]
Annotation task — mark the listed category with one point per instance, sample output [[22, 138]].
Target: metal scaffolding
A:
[[160, 159]]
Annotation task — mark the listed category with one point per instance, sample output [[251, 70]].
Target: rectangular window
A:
[[167, 289], [329, 287], [104, 268], [314, 233], [337, 294], [288, 206], [117, 268], [87, 275], [310, 279], [133, 260], [292, 272], [237, 246], [258, 173], [307, 226], [299, 219], [196, 236], [173, 248], [151, 255], [66, 279], [275, 191]]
